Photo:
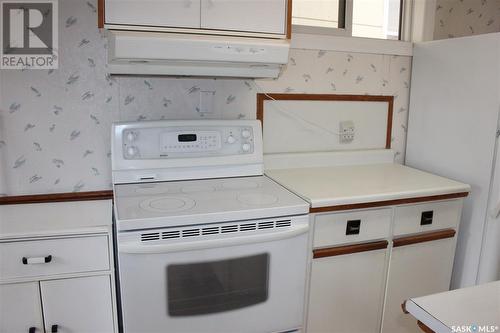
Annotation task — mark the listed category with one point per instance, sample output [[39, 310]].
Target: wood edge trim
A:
[[261, 97], [425, 237], [289, 20], [260, 107], [403, 307], [388, 202], [326, 97], [388, 139], [56, 197], [100, 13], [348, 249], [424, 327]]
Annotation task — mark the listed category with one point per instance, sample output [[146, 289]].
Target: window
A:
[[359, 18], [318, 13]]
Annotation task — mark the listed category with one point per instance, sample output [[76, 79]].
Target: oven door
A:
[[248, 281]]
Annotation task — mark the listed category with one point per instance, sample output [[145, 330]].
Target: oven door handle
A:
[[135, 247]]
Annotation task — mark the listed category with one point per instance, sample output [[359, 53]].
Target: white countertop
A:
[[341, 185], [474, 306], [54, 219]]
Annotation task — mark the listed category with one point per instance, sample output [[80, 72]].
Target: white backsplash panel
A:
[[311, 126], [55, 125]]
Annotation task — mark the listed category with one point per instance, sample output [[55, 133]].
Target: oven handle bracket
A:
[[134, 247]]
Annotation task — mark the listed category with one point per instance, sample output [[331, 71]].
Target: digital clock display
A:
[[186, 137]]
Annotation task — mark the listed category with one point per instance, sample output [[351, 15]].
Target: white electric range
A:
[[204, 241]]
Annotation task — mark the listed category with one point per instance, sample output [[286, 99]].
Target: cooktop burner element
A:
[[167, 204]]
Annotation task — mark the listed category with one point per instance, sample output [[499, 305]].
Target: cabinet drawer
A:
[[426, 217], [349, 227], [22, 259]]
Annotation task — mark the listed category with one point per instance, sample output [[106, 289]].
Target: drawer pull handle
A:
[[353, 227], [37, 260], [53, 329], [426, 218], [32, 329]]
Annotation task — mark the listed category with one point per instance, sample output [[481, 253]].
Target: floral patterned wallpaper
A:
[[55, 125], [457, 18]]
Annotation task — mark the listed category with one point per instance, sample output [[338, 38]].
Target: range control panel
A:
[[186, 141]]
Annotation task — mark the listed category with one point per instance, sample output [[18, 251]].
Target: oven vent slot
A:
[[170, 234], [229, 228], [190, 232], [248, 226], [210, 231], [215, 230], [150, 236], [283, 223], [266, 225]]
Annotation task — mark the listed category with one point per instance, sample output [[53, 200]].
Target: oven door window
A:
[[217, 286]]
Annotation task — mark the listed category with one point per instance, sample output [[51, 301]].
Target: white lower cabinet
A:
[[358, 286], [56, 268], [347, 292], [20, 308], [416, 270], [78, 305], [81, 305]]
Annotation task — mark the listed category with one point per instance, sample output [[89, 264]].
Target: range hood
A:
[[160, 53]]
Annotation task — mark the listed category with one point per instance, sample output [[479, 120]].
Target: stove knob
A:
[[132, 151], [231, 139], [130, 136], [246, 147], [246, 133]]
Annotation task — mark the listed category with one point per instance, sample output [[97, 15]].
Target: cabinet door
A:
[[161, 13], [20, 308], [347, 292], [78, 304], [267, 16], [415, 270]]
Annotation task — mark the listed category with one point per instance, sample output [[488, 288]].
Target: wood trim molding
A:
[[100, 13], [289, 19], [403, 307], [388, 202], [348, 249], [388, 137], [56, 197], [425, 237], [261, 97], [424, 327]]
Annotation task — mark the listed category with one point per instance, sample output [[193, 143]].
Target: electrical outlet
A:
[[347, 131], [206, 104]]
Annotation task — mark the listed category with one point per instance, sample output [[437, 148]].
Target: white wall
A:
[[55, 126], [457, 18]]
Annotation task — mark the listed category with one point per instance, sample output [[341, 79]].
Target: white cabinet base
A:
[[347, 292], [20, 308], [56, 268], [78, 304], [415, 270]]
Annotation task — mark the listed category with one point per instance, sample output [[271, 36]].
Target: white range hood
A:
[[159, 53]]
